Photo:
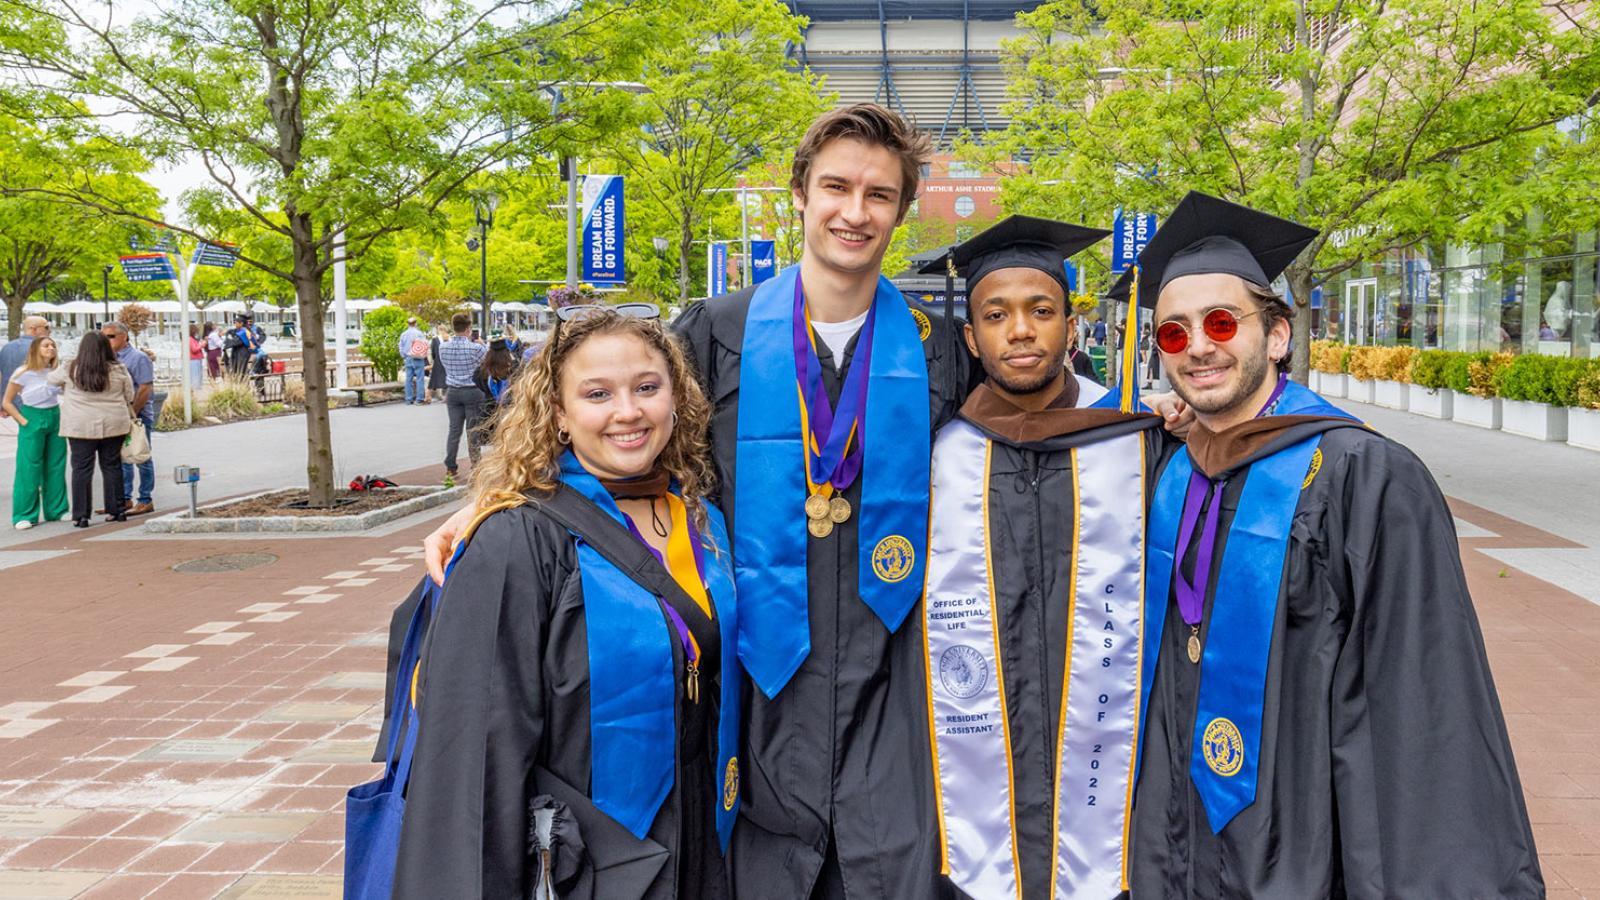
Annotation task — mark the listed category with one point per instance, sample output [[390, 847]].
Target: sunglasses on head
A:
[[1219, 325], [579, 312]]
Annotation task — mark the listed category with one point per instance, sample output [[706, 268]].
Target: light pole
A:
[[483, 207], [569, 164], [105, 289]]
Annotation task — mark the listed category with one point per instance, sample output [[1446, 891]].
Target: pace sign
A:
[[1128, 236], [604, 230]]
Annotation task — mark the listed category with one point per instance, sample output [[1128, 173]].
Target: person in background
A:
[[96, 404], [239, 343], [414, 350], [14, 352], [436, 383], [1081, 364], [197, 358], [461, 357], [40, 473], [260, 362], [493, 378], [143, 373], [1100, 333], [213, 338]]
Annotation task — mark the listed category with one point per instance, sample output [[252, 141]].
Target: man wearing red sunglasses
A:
[[1319, 718]]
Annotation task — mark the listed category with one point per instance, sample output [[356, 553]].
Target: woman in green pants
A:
[[41, 450]]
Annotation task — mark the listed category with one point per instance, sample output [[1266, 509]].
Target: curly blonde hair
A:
[[526, 456]]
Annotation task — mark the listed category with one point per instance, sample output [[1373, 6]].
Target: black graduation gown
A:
[[505, 689], [838, 765], [1031, 516], [1385, 770]]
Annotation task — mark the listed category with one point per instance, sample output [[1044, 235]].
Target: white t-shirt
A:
[[837, 335], [34, 391]]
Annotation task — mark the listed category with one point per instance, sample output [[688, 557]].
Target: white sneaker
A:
[[24, 526]]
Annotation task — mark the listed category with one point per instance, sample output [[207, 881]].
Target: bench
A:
[[360, 390]]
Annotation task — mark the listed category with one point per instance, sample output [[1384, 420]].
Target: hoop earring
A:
[[674, 418], [562, 437]]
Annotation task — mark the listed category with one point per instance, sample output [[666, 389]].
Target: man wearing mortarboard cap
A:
[[1031, 616], [1320, 720]]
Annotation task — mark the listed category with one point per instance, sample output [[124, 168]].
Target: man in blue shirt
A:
[[143, 372], [414, 350], [14, 352]]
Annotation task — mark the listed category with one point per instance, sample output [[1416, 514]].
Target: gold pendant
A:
[[1194, 645], [819, 528], [692, 687], [838, 510], [816, 507]]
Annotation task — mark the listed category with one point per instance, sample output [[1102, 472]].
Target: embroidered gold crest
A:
[[924, 327], [1316, 466], [892, 558], [730, 784], [1223, 747]]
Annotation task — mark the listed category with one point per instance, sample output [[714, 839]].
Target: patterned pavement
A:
[[175, 735]]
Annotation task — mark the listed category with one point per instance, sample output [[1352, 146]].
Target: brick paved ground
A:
[[176, 735]]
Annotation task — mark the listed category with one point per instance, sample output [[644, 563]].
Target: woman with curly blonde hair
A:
[[578, 691]]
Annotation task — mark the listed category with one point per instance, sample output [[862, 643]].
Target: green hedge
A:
[[1456, 375], [380, 340], [1541, 379], [1431, 368]]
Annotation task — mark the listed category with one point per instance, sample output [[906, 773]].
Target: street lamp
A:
[[483, 207], [105, 288]]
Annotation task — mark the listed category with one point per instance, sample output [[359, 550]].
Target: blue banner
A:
[[603, 230], [1071, 269], [1129, 234], [763, 260], [148, 267], [717, 269]]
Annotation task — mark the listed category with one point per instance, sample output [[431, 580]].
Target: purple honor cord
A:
[[839, 461], [1192, 594], [699, 564]]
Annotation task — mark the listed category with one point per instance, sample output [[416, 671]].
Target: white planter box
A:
[[1358, 390], [1333, 385], [1482, 412], [1314, 381], [1391, 394], [1583, 428], [1435, 404], [1539, 421]]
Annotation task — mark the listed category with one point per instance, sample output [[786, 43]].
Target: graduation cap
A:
[[1017, 242], [1206, 235]]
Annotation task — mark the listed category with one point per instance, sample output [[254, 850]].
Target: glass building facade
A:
[[1533, 298]]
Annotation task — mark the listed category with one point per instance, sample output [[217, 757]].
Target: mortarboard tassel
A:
[[1130, 349]]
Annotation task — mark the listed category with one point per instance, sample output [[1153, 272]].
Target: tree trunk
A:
[[14, 315], [313, 362], [1300, 285], [685, 248]]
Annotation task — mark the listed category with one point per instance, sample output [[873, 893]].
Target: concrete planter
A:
[[1391, 394], [1359, 390], [1438, 403], [425, 498], [1583, 428], [1333, 385], [1480, 412], [1539, 421]]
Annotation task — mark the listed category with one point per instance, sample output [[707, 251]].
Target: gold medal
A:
[[1194, 645], [816, 507], [819, 528], [838, 510]]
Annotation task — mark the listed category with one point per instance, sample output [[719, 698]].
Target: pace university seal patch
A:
[[963, 671], [892, 558], [1223, 747], [924, 327], [730, 783]]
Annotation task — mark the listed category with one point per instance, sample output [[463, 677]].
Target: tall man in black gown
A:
[[1321, 721]]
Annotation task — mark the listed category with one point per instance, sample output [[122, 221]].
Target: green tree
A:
[[42, 238], [1381, 122], [431, 304], [721, 99], [325, 127], [380, 340]]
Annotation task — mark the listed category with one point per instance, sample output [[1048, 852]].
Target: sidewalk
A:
[[170, 734]]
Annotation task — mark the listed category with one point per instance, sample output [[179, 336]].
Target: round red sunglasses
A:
[[1220, 326]]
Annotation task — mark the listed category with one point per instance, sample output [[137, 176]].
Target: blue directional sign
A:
[[157, 239], [604, 228], [148, 267], [1128, 236], [223, 256], [763, 260]]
